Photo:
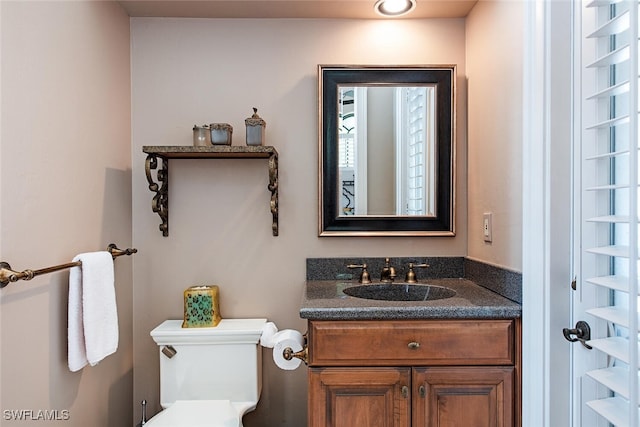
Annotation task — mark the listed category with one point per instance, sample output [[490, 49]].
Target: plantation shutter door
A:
[[608, 205]]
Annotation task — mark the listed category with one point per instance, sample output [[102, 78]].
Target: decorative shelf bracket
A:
[[160, 184], [160, 201], [273, 188]]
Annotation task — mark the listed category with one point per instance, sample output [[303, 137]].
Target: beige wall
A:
[[65, 174], [494, 43], [197, 71]]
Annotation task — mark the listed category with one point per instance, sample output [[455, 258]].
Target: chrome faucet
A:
[[388, 273]]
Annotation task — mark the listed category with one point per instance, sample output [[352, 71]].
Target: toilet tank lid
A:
[[238, 331]]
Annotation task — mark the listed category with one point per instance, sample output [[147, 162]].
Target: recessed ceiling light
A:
[[393, 8]]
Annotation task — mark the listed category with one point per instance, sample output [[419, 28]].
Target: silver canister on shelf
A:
[[201, 136], [255, 129], [221, 133]]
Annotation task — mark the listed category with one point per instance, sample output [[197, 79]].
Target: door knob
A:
[[582, 333]]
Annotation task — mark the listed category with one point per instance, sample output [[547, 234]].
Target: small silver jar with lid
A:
[[255, 129], [221, 133]]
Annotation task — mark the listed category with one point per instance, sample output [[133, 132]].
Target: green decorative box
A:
[[201, 307]]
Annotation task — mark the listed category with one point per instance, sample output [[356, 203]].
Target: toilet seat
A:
[[198, 413]]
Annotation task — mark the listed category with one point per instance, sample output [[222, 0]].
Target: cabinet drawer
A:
[[411, 342]]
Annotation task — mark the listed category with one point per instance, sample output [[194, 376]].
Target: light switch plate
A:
[[486, 227]]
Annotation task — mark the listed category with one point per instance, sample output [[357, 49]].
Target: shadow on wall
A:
[[116, 208], [120, 390], [116, 228], [281, 391]]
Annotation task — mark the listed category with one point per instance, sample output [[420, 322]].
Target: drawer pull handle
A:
[[422, 391], [413, 345], [405, 391]]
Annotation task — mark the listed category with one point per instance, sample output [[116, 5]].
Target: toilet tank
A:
[[219, 363]]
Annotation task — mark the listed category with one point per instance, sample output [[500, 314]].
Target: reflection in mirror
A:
[[387, 138], [389, 131]]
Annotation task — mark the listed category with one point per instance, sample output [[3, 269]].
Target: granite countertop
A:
[[324, 300]]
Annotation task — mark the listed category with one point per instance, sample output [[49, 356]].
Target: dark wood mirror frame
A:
[[330, 77]]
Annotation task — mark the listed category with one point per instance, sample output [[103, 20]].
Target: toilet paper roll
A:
[[287, 338], [269, 331]]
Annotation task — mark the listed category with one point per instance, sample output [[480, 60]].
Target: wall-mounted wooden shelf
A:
[[160, 186]]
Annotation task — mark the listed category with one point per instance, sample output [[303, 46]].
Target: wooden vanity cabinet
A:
[[418, 373], [463, 396], [352, 397]]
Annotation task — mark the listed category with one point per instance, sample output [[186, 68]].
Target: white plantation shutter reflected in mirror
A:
[[608, 264], [416, 146], [346, 128], [415, 150]]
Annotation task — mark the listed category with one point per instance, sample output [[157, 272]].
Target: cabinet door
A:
[[463, 396], [359, 397]]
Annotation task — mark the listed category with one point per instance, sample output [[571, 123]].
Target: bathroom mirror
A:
[[386, 150]]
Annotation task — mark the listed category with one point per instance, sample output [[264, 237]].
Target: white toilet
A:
[[208, 376]]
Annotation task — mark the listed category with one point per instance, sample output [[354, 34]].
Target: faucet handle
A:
[[411, 275], [364, 276]]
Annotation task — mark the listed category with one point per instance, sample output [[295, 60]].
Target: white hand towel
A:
[[93, 317]]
